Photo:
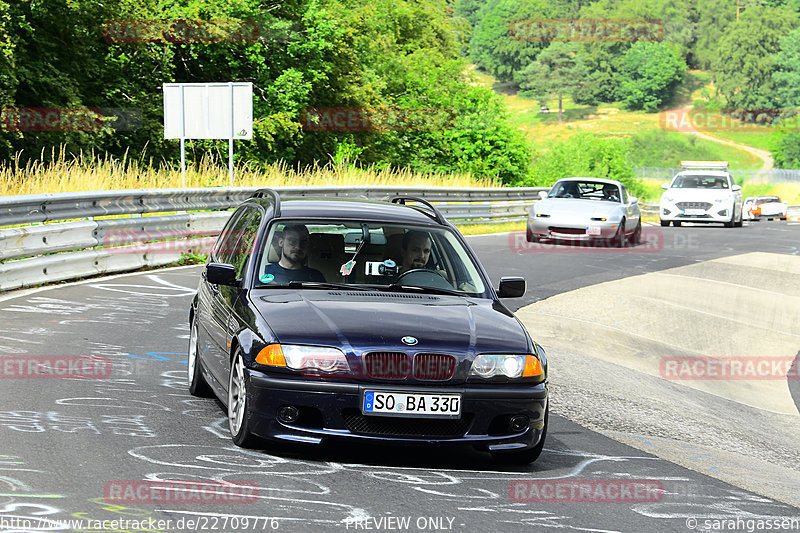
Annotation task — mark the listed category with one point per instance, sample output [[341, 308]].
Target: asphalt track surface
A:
[[65, 444]]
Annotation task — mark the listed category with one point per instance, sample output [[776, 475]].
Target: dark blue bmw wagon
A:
[[331, 319]]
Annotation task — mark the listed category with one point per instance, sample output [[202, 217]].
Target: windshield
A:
[[372, 255], [587, 190], [768, 200], [699, 181]]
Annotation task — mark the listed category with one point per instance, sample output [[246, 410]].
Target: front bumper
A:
[[715, 213], [332, 411], [560, 228], [755, 215]]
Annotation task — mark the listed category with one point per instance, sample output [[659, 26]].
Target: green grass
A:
[[763, 139], [611, 120], [480, 229]]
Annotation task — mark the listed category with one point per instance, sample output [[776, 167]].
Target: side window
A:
[[236, 246], [224, 240], [624, 195]]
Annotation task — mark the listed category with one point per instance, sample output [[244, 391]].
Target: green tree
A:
[[586, 154], [713, 21], [558, 70], [744, 60], [786, 152], [786, 77], [649, 74], [500, 45]]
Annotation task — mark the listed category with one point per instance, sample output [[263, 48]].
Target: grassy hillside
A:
[[650, 143]]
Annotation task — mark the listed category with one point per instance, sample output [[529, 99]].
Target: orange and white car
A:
[[769, 207]]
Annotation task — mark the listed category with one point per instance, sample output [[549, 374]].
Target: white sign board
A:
[[208, 110]]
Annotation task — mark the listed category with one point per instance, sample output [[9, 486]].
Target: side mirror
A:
[[665, 186], [511, 287], [221, 274], [542, 195], [632, 200], [736, 188]]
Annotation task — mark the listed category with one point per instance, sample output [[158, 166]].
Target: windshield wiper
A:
[[414, 288], [326, 285]]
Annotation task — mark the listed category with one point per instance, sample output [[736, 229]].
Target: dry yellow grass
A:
[[90, 174]]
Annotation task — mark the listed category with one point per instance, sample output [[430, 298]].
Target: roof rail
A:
[[706, 165], [437, 215], [276, 199]]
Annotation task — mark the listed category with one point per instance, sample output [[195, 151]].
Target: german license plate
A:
[[389, 403], [593, 230], [694, 211]]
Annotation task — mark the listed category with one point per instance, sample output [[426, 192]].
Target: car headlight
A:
[[300, 357], [508, 365], [668, 199]]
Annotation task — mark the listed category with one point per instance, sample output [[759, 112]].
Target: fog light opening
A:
[[518, 423], [288, 414]]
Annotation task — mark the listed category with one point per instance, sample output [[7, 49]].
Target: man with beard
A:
[[293, 245], [415, 250]]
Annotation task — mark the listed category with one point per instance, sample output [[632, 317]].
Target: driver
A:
[[293, 245], [415, 250], [610, 192]]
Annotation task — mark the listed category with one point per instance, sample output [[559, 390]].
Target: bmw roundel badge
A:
[[411, 341]]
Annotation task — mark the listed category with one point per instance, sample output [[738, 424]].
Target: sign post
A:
[[208, 111]]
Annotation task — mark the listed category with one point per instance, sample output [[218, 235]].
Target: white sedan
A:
[[586, 209]]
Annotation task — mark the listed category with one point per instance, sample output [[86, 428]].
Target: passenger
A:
[[568, 189], [293, 248]]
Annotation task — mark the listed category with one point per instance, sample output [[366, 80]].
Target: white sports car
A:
[[586, 209], [769, 207], [702, 192]]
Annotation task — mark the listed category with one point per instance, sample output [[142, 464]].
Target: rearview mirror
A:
[[511, 287], [632, 199], [542, 195], [221, 274], [736, 188], [665, 186]]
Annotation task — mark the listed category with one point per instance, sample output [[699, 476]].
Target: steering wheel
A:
[[423, 277]]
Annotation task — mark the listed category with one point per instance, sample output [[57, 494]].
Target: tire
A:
[[740, 222], [732, 222], [198, 386], [239, 413], [524, 457], [618, 240], [664, 223], [636, 236], [676, 223]]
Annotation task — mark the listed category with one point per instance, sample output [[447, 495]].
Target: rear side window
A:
[[235, 245]]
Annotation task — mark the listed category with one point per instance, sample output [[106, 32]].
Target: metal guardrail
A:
[[60, 237]]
